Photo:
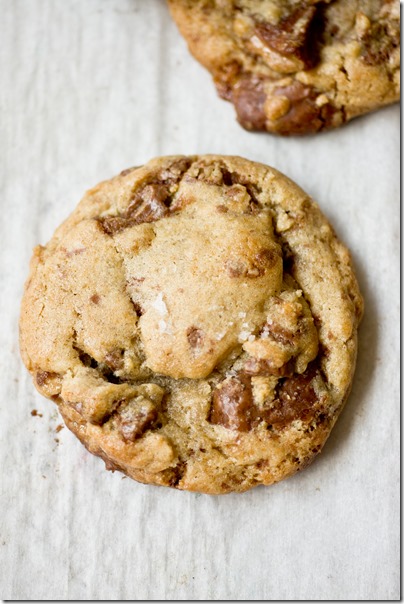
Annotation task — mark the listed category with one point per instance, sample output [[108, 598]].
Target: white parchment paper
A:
[[88, 88]]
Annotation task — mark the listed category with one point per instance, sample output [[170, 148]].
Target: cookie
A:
[[292, 67], [195, 321]]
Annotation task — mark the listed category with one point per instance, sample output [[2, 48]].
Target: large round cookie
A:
[[195, 320], [293, 67]]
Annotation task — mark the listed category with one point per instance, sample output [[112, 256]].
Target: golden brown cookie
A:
[[195, 320], [293, 67]]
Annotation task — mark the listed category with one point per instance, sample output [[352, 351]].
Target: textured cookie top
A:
[[293, 67], [194, 275], [195, 320]]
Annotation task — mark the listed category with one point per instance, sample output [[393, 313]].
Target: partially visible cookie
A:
[[195, 320], [293, 67]]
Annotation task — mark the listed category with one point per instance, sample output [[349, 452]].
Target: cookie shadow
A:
[[365, 370]]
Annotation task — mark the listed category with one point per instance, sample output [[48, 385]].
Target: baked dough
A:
[[293, 67], [195, 321]]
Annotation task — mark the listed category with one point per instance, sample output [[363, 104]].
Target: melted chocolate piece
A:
[[41, 377], [134, 419], [249, 101], [147, 206], [232, 404], [296, 399], [151, 202], [304, 115], [291, 36], [378, 44]]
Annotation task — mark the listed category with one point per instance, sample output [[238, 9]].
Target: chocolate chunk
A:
[[172, 173], [262, 262], [291, 36], [135, 418], [304, 115], [195, 337], [232, 404], [151, 202], [249, 100], [378, 44], [42, 377], [48, 382], [266, 259], [113, 224], [279, 333], [295, 399], [148, 205]]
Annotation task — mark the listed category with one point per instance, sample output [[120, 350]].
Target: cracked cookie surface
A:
[[293, 67], [195, 320]]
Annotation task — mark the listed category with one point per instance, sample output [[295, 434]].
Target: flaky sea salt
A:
[[243, 336], [164, 327], [160, 305]]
